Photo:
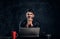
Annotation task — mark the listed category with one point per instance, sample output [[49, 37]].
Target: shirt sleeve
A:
[[37, 24]]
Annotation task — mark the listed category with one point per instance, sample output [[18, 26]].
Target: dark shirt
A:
[[35, 23]]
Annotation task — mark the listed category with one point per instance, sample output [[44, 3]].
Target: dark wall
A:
[[13, 11]]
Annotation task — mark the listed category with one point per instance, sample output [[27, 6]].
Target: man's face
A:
[[29, 15]]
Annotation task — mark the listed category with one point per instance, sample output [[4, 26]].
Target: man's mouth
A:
[[28, 16]]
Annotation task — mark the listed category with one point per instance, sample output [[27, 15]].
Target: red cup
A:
[[14, 34]]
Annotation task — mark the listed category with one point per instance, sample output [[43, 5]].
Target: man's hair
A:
[[30, 10]]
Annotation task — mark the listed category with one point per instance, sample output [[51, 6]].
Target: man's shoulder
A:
[[36, 21]]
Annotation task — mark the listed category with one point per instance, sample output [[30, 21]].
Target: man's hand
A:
[[29, 24]]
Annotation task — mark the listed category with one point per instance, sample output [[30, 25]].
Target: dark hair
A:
[[30, 10]]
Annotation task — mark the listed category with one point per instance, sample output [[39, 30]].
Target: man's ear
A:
[[33, 15], [26, 14]]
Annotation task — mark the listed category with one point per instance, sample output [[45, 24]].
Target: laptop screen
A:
[[29, 32]]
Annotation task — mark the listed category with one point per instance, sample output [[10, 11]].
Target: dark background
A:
[[13, 11]]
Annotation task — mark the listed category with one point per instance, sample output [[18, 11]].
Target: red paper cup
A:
[[14, 34]]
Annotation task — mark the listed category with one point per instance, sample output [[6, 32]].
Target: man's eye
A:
[[29, 14]]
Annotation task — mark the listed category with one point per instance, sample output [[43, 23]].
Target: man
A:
[[30, 21]]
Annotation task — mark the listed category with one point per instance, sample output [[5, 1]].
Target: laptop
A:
[[29, 32]]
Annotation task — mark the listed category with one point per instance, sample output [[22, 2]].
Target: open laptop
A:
[[29, 32]]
